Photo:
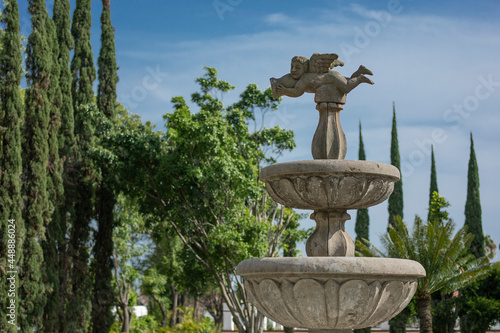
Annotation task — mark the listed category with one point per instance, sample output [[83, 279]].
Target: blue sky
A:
[[437, 60]]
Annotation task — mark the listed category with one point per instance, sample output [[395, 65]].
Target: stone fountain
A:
[[330, 291]]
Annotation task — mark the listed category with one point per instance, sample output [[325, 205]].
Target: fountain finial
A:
[[330, 88]]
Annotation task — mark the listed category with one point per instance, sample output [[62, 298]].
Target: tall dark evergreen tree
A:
[[62, 20], [83, 72], [82, 65], [55, 190], [103, 298], [434, 185], [398, 323], [35, 149], [362, 227], [473, 219], [396, 198], [54, 319], [11, 111]]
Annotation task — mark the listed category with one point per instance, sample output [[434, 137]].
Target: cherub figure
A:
[[307, 75]]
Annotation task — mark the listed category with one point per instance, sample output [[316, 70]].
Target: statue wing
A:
[[322, 62]]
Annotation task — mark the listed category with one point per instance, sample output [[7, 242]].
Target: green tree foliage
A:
[[55, 190], [37, 211], [62, 21], [83, 72], [82, 65], [107, 74], [448, 264], [221, 176], [444, 313], [434, 185], [362, 227], [396, 199], [479, 304], [102, 317], [395, 206], [200, 177], [473, 213], [128, 237], [62, 104], [478, 307], [11, 113], [190, 324]]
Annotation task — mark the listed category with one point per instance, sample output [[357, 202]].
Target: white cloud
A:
[[276, 18]]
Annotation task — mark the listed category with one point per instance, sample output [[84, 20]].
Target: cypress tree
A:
[[398, 323], [103, 298], [473, 213], [55, 191], [83, 76], [362, 227], [54, 321], [108, 78], [433, 186], [35, 165], [11, 111], [62, 21], [396, 198], [82, 65]]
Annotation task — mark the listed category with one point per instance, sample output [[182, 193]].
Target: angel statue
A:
[[330, 89], [315, 76]]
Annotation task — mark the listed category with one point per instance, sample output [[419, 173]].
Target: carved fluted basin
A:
[[330, 184], [330, 292]]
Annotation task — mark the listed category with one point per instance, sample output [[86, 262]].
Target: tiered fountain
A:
[[330, 291]]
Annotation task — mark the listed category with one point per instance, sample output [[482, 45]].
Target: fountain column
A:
[[329, 139], [330, 239]]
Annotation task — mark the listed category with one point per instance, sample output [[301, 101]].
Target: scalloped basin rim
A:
[[338, 266], [328, 167]]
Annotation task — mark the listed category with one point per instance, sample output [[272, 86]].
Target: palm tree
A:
[[446, 260]]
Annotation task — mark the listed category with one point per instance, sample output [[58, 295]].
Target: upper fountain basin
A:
[[330, 184]]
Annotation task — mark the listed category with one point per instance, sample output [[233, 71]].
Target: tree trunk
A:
[[424, 312], [127, 319], [175, 294], [196, 308], [465, 326], [183, 301], [213, 304], [163, 310]]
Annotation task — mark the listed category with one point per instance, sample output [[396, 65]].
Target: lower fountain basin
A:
[[330, 292], [330, 184]]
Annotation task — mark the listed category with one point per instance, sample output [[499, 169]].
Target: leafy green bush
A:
[[148, 324], [191, 325]]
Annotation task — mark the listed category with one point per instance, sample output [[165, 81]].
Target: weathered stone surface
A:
[[329, 184], [330, 293], [330, 89], [315, 76], [329, 139], [330, 239]]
